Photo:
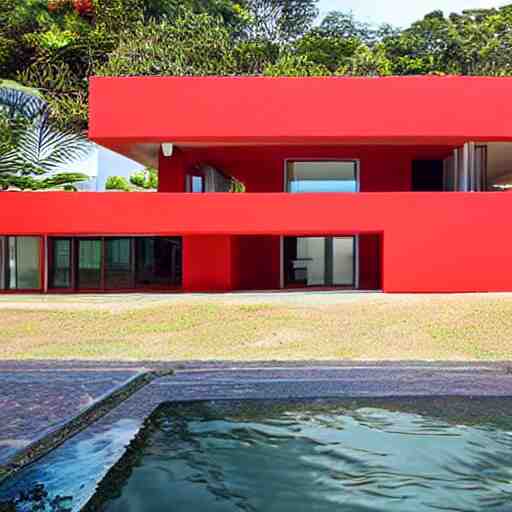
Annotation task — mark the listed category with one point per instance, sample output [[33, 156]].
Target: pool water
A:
[[286, 457]]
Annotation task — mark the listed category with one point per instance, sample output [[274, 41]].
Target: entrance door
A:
[[319, 261]]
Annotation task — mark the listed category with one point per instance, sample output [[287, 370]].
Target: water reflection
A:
[[288, 459]]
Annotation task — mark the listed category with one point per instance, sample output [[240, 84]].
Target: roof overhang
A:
[[133, 115]]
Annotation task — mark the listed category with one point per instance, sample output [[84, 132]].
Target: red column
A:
[[172, 171]]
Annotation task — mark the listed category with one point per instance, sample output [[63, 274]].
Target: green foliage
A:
[[56, 50], [296, 65], [280, 20], [237, 187], [328, 51], [117, 183], [191, 45], [254, 55], [32, 152], [146, 179], [113, 16], [367, 61]]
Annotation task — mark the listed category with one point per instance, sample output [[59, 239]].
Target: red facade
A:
[[411, 233]]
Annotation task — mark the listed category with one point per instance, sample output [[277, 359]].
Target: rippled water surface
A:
[[289, 458]]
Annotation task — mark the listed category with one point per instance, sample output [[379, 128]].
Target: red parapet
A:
[[432, 242], [284, 110]]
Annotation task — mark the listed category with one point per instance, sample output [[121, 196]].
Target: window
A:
[[118, 263], [322, 176], [158, 262], [113, 263], [319, 261], [89, 264], [20, 263], [60, 263]]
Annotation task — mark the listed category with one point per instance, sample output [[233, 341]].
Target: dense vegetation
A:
[[55, 45]]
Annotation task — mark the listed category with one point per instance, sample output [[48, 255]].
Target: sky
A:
[[402, 12]]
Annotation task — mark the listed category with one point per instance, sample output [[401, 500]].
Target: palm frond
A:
[[48, 149], [16, 102]]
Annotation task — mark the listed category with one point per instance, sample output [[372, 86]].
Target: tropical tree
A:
[[193, 44], [33, 154], [280, 20]]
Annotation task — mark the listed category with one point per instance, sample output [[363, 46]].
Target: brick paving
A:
[[36, 399], [76, 467]]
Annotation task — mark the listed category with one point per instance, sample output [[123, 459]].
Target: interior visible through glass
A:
[[320, 261], [118, 263], [115, 263], [89, 264], [20, 263], [61, 263]]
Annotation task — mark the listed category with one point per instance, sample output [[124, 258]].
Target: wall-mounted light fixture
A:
[[167, 149]]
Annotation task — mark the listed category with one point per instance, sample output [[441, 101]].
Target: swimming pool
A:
[[371, 455], [381, 437]]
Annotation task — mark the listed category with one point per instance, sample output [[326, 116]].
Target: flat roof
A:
[[128, 112]]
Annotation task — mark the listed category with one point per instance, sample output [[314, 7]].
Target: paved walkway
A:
[[39, 397], [128, 301]]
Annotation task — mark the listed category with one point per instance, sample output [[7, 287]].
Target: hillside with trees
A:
[[53, 46]]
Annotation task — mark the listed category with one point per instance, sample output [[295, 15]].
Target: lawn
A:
[[322, 327]]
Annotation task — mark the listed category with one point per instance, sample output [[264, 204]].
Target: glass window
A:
[[319, 261], [197, 184], [60, 262], [343, 261], [322, 176], [118, 263], [89, 264], [3, 262], [158, 262], [20, 261]]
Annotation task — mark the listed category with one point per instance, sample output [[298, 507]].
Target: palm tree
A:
[[32, 152]]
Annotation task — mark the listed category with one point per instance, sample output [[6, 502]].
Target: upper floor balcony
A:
[[271, 134]]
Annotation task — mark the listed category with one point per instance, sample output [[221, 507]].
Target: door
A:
[[89, 275], [320, 261]]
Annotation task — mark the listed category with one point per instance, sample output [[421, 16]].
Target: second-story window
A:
[[322, 176]]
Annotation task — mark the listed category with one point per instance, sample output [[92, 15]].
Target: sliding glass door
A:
[[90, 256], [320, 261], [115, 263], [118, 263], [158, 262], [61, 263], [20, 263]]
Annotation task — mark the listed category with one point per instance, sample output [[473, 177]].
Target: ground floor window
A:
[[320, 261], [115, 263], [20, 263]]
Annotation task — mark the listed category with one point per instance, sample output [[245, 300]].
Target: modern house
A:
[[395, 184]]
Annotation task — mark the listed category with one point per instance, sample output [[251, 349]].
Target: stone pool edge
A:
[[41, 447]]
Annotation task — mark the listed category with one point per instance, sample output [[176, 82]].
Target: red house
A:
[[394, 184]]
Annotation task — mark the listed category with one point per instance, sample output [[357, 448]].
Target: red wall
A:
[[208, 263], [261, 169], [432, 242], [259, 110]]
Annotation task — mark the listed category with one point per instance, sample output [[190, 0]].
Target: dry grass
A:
[[370, 328]]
